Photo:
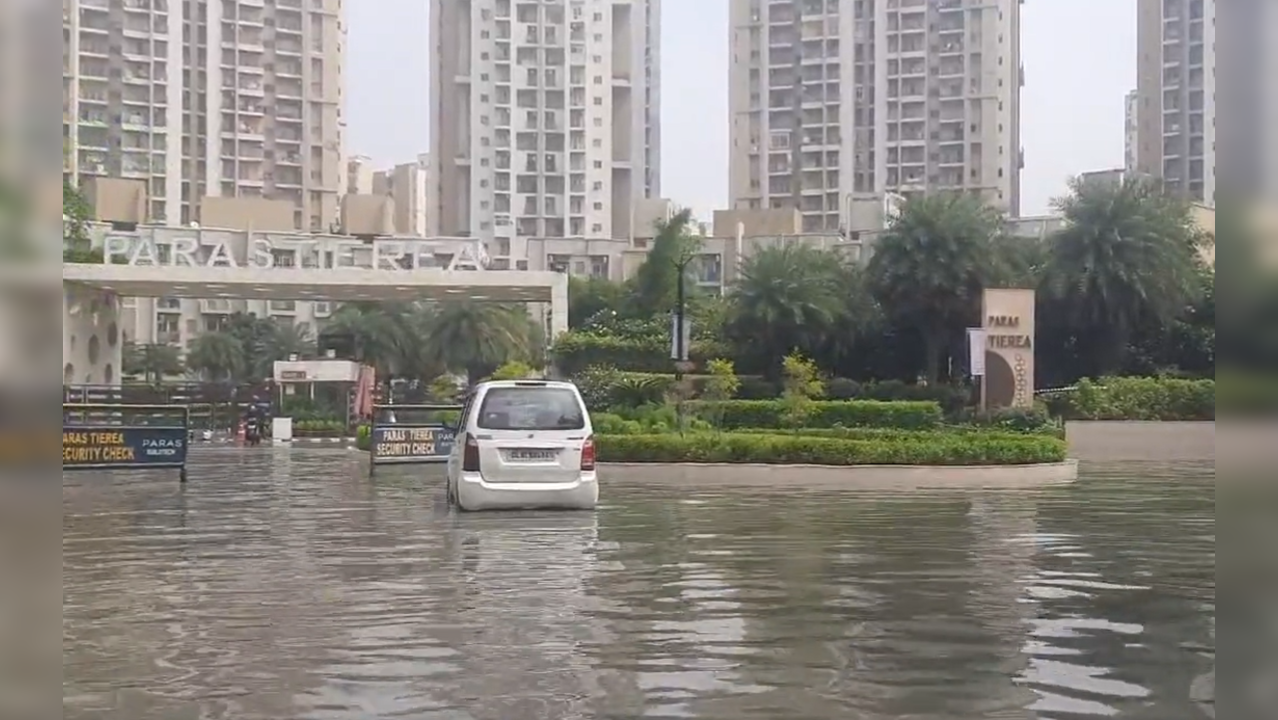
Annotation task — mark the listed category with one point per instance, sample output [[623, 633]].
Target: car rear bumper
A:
[[474, 493]]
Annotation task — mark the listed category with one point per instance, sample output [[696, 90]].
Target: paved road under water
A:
[[284, 584]]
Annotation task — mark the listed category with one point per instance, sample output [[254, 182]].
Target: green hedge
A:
[[825, 413], [1138, 398], [878, 433], [319, 428], [940, 449], [606, 387], [663, 420], [1032, 420]]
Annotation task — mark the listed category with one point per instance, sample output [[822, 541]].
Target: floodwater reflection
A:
[[287, 584]]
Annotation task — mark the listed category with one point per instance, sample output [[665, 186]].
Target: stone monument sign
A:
[[1007, 317]]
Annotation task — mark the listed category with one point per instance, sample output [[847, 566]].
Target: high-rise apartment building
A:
[[359, 176], [544, 117], [834, 99], [405, 184], [221, 98], [1176, 88], [1131, 138]]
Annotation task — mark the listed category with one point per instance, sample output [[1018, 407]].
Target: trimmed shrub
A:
[[931, 449], [824, 414], [1022, 420], [645, 420], [1139, 398]]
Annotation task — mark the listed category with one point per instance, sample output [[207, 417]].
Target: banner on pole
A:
[[976, 351], [679, 350]]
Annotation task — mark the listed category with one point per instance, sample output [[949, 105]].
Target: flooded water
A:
[[284, 584]]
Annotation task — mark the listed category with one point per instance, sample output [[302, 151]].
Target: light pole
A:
[[681, 300]]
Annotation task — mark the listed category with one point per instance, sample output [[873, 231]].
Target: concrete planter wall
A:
[[1118, 440], [896, 477]]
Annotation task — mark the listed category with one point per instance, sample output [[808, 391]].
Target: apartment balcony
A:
[[144, 99], [94, 98], [135, 168], [245, 129], [91, 141], [250, 18], [141, 55], [95, 49], [137, 29]]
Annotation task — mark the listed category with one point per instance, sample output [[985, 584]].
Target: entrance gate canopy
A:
[[207, 263]]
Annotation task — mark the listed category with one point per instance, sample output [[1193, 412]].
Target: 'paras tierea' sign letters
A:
[[323, 253]]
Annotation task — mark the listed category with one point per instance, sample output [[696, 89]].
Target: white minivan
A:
[[523, 444]]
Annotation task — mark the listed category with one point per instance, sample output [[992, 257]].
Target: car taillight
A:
[[588, 454], [470, 455]]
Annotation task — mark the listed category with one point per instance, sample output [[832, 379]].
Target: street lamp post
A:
[[681, 301]]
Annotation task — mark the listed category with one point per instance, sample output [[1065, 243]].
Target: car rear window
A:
[[530, 408]]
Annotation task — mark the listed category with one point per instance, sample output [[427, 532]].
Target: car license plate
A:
[[533, 454]]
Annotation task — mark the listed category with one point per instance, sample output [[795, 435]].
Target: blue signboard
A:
[[411, 443], [114, 446]]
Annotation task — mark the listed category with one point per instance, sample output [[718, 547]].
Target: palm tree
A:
[[476, 337], [266, 340], [931, 265], [384, 335], [217, 357], [283, 340], [787, 298], [1128, 254], [153, 361]]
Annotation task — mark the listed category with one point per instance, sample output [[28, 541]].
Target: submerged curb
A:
[[783, 477]]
